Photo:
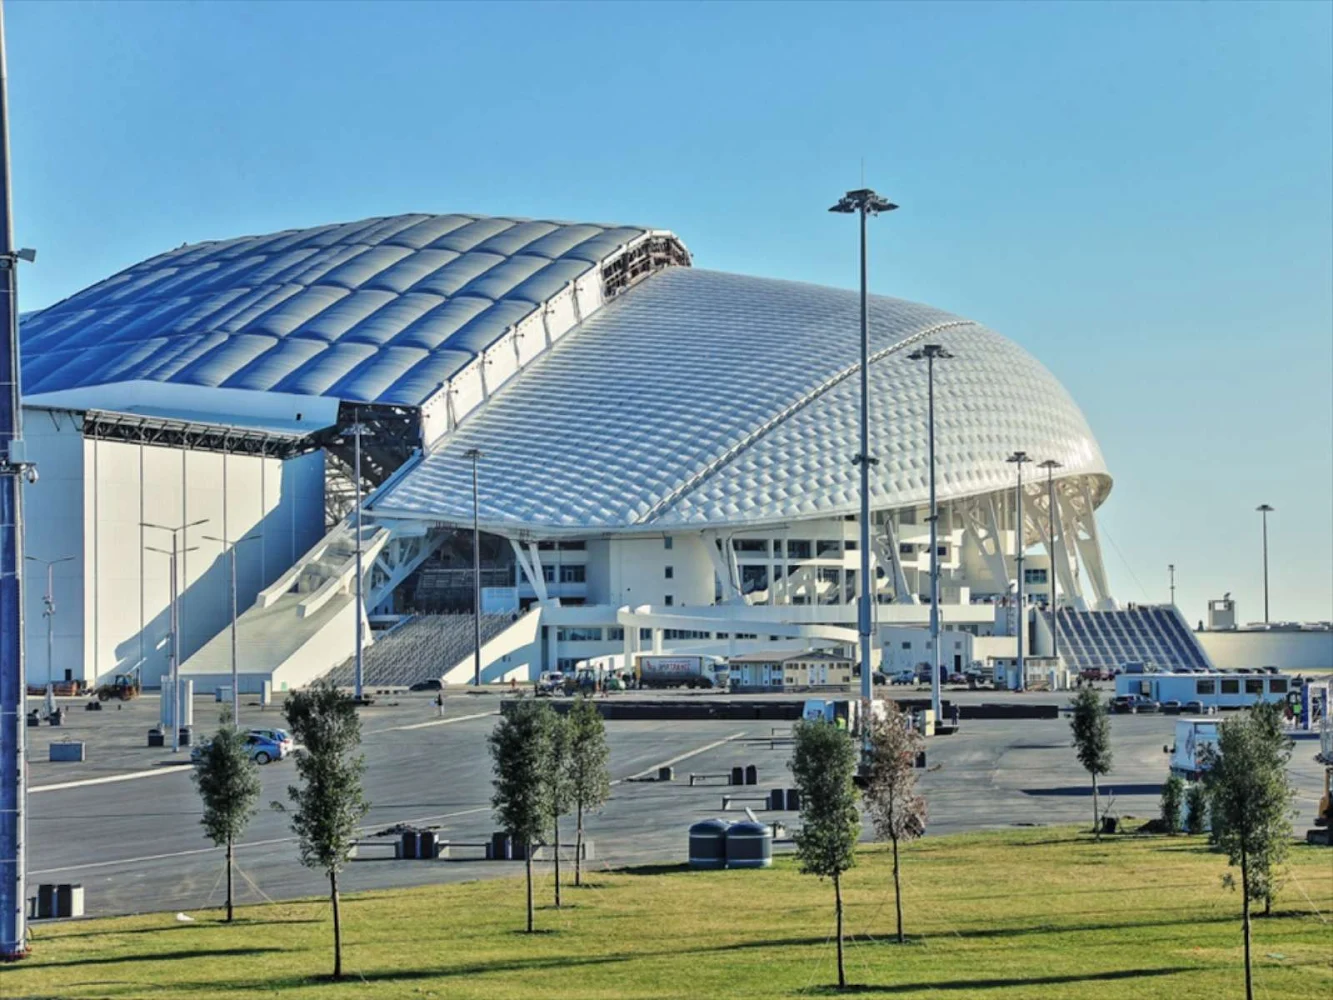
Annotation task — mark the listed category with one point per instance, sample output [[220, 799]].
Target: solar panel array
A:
[[1154, 635]]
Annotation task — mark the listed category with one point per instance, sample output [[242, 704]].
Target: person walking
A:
[[439, 704]]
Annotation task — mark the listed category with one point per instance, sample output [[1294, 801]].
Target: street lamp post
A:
[[49, 610], [173, 619], [1171, 572], [1050, 465], [475, 455], [356, 430], [1019, 458], [230, 549], [1264, 510], [931, 353], [864, 202]]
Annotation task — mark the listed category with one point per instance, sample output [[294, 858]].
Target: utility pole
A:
[[49, 611], [1018, 458], [932, 353], [356, 430], [475, 455], [14, 469], [173, 618], [230, 549], [864, 202], [1264, 510], [1053, 512]]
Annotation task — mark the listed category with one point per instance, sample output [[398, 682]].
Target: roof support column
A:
[[902, 594], [1090, 552]]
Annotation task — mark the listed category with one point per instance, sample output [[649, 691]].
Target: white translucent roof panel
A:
[[381, 310], [706, 399]]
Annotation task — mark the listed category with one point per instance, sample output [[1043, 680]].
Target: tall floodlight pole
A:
[[1171, 573], [1264, 510], [49, 610], [13, 469], [475, 455], [1053, 515], [356, 430], [173, 617], [932, 353], [1019, 458], [865, 202], [230, 549]]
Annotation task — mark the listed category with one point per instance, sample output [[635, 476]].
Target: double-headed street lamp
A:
[[1019, 458], [1264, 510], [173, 664], [475, 455], [49, 609], [864, 202], [1053, 512], [230, 549], [932, 353]]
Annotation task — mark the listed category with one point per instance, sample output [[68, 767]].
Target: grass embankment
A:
[[1028, 913]]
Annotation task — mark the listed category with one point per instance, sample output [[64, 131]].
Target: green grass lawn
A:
[[1026, 913]]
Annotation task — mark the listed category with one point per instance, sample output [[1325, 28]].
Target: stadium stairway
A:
[[422, 648], [1155, 635]]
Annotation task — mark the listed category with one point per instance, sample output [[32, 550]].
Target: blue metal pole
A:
[[13, 682]]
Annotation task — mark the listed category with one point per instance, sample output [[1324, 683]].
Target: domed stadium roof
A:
[[384, 310], [701, 399]]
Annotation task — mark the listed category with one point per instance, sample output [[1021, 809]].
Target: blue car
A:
[[262, 749]]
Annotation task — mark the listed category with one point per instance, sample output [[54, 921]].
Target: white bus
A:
[[1218, 690]]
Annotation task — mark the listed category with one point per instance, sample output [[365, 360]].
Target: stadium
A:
[[657, 457]]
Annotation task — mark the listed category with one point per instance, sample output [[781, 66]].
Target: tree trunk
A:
[[837, 896], [229, 881], [1096, 824], [528, 854], [578, 848], [897, 891], [1245, 920], [557, 862], [337, 927]]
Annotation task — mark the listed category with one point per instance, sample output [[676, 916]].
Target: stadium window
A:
[[645, 635], [754, 578], [777, 571], [798, 549], [567, 664], [670, 572], [759, 545], [777, 548], [615, 634], [574, 574], [667, 542], [579, 634], [548, 574], [800, 599], [1254, 685], [849, 546], [943, 550], [1277, 685], [724, 635], [906, 549], [669, 600], [907, 645], [545, 546], [573, 546], [1205, 686], [828, 548], [1034, 576], [1230, 685]]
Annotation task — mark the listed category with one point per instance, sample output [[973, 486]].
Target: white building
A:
[[663, 453]]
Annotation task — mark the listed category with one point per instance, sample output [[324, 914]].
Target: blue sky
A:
[[1140, 194]]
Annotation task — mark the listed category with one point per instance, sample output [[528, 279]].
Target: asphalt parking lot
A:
[[125, 823]]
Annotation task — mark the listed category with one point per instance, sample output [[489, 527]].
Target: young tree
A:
[[590, 781], [329, 802], [228, 784], [520, 748], [895, 807], [559, 787], [1092, 742], [1173, 797], [1196, 808], [1249, 798], [823, 765]]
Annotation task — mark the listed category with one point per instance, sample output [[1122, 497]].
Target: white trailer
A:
[[1218, 690], [1193, 738]]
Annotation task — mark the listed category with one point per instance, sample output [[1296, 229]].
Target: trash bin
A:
[[666, 774], [738, 775], [708, 844], [751, 775], [157, 738], [69, 900], [777, 799], [749, 845], [56, 718], [46, 901], [428, 845], [500, 846], [34, 718], [793, 800], [409, 849]]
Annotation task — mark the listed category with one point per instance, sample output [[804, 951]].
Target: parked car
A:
[[904, 677], [434, 684], [1133, 704], [1197, 708], [262, 750], [278, 736], [880, 677], [1172, 707]]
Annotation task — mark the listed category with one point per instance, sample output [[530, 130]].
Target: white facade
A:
[[1288, 649], [112, 597]]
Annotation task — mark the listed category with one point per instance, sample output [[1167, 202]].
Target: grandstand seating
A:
[[422, 648], [1154, 635]]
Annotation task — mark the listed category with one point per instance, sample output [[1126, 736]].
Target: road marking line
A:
[[108, 779], [677, 759], [432, 722]]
